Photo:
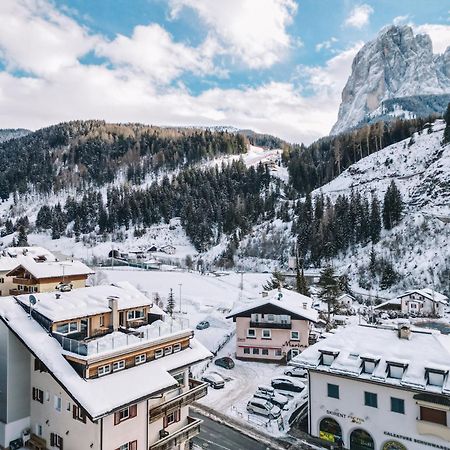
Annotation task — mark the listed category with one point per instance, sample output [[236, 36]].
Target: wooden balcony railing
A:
[[197, 389], [280, 325], [173, 440], [24, 281]]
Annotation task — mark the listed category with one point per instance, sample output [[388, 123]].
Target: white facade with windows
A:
[[380, 388]]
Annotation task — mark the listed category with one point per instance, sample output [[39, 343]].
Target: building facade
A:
[[380, 388], [423, 302], [276, 328]]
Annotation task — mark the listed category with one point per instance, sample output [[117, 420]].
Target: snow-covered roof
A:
[[99, 396], [290, 301], [35, 252], [424, 350], [87, 301], [53, 269], [7, 263], [394, 301], [428, 293]]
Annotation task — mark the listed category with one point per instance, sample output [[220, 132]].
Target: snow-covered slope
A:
[[395, 65], [419, 247]]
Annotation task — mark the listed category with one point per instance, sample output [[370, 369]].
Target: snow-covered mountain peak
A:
[[395, 65]]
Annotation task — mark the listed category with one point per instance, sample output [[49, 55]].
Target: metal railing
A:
[[178, 437], [260, 324], [197, 390]]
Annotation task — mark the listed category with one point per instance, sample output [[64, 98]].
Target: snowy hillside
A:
[[418, 246], [7, 134]]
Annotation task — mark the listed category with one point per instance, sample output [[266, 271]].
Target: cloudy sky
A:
[[275, 66]]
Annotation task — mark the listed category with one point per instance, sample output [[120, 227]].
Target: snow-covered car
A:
[[263, 408], [226, 362], [214, 380], [293, 371], [202, 325], [287, 384], [269, 393]]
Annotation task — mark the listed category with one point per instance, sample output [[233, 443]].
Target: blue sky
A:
[[276, 66]]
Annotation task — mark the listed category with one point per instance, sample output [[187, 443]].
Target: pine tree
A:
[[373, 262], [22, 238], [447, 126], [392, 207], [375, 220], [301, 283], [389, 276], [170, 308], [329, 290], [275, 282]]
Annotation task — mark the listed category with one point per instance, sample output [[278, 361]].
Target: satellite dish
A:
[[32, 299]]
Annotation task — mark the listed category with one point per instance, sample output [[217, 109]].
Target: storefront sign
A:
[[329, 437], [354, 419], [393, 445]]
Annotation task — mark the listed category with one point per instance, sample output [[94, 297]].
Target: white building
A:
[[95, 369], [423, 302], [380, 388]]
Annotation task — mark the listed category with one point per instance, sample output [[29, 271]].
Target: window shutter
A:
[[34, 394], [75, 412], [52, 439], [177, 415], [116, 418], [61, 443], [133, 411]]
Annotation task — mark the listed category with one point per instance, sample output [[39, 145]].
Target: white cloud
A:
[[254, 31], [35, 37], [152, 51], [326, 44], [359, 16], [401, 20], [439, 34]]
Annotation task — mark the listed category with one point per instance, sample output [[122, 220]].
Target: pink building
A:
[[275, 328]]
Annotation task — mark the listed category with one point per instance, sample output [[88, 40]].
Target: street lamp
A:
[[180, 284]]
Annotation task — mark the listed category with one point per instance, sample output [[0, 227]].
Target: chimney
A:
[[58, 295], [404, 331], [265, 294], [305, 305], [113, 303]]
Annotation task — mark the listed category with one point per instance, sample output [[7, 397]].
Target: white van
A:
[[263, 408]]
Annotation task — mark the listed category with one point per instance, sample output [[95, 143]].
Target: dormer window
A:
[[396, 370], [368, 365], [435, 377], [327, 357]]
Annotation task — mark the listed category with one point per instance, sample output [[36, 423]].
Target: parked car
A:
[[214, 380], [225, 362], [293, 371], [269, 393], [286, 384], [263, 408], [202, 325]]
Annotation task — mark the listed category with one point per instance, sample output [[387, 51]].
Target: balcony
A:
[[178, 437], [279, 325], [197, 390], [24, 281]]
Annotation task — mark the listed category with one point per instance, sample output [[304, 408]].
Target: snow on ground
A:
[[242, 382]]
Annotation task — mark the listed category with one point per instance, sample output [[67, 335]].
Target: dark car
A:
[[225, 362], [285, 384], [202, 325]]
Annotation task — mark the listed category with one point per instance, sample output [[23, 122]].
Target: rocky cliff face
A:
[[395, 65]]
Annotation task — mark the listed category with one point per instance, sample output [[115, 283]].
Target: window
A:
[[433, 415], [139, 359], [246, 351], [102, 320], [56, 441], [371, 399], [327, 359], [278, 352], [104, 370], [135, 314], [128, 446], [57, 403], [395, 371], [265, 351], [333, 390], [251, 333], [256, 351], [47, 396], [78, 414], [67, 328], [2, 280], [125, 414], [167, 350], [176, 348], [180, 378], [368, 366], [159, 353], [435, 377], [69, 406], [38, 395], [118, 365], [295, 336], [39, 366], [266, 334], [172, 418], [397, 405], [270, 318], [39, 429]]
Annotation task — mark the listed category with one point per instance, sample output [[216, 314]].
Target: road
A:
[[216, 436]]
